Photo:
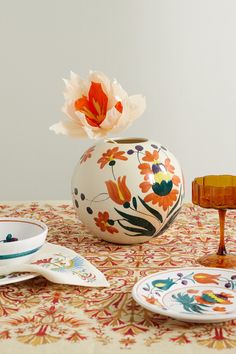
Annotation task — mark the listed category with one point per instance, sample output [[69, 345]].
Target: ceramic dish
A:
[[20, 239], [201, 295], [16, 277]]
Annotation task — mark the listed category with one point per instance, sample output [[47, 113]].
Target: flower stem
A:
[[112, 169], [98, 201], [138, 157]]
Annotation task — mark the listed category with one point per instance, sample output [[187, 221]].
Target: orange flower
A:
[[87, 154], [151, 157], [168, 166], [219, 309], [102, 222], [111, 155], [192, 291], [94, 107], [118, 191], [43, 261], [145, 170], [151, 300], [145, 186], [208, 297], [205, 278], [176, 180], [164, 201]]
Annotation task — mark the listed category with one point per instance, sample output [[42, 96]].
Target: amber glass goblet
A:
[[217, 192]]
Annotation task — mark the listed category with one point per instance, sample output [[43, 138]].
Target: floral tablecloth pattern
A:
[[37, 315]]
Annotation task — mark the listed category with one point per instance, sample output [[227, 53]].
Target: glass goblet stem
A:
[[222, 250]]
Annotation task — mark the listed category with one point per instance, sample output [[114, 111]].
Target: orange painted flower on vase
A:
[[163, 201], [158, 177], [151, 157], [168, 166], [102, 221], [118, 191], [87, 155], [110, 156], [204, 278]]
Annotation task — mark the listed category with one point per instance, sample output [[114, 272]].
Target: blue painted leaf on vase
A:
[[154, 212], [134, 200], [180, 198], [145, 227]]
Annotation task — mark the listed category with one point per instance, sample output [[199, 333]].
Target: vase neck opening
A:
[[126, 141]]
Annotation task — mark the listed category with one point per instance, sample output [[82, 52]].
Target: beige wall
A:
[[180, 54]]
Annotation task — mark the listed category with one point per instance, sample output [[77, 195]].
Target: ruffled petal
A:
[[133, 107], [111, 119], [137, 105], [123, 122], [117, 94], [69, 128], [97, 110], [69, 110], [75, 87]]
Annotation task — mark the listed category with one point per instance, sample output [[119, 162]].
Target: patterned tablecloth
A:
[[38, 316]]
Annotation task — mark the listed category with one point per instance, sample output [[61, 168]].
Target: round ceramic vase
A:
[[127, 190]]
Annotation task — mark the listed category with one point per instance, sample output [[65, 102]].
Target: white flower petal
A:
[[69, 110], [124, 120], [94, 133], [111, 119], [75, 87], [137, 105], [69, 128], [118, 91], [117, 94], [133, 107]]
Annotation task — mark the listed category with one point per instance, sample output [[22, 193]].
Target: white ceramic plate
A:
[[16, 277], [201, 295]]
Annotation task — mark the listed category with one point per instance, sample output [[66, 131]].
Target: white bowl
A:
[[31, 235]]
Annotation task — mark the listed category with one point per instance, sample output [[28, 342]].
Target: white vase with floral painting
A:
[[127, 190], [124, 190]]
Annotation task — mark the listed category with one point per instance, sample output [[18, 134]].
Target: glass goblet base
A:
[[217, 261]]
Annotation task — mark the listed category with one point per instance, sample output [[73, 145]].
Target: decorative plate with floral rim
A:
[[202, 295], [16, 277]]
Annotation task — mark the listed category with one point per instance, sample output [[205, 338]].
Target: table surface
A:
[[38, 316]]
